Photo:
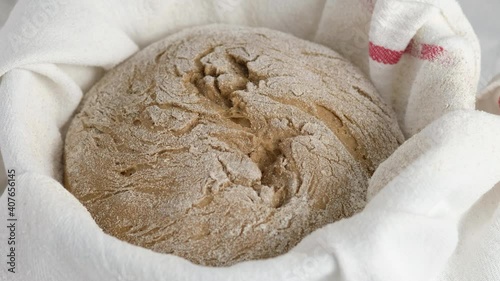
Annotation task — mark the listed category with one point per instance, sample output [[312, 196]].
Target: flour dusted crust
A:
[[222, 144]]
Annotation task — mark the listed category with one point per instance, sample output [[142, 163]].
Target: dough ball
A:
[[222, 144]]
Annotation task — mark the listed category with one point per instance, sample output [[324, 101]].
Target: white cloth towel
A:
[[428, 217]]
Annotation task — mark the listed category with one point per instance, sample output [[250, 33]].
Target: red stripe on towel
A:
[[383, 55], [430, 52], [422, 51]]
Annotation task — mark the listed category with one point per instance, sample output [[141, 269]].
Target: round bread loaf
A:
[[222, 144]]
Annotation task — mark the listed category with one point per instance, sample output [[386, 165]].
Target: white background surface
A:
[[5, 7], [485, 19]]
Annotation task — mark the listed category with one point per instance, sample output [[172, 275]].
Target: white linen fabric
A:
[[433, 213]]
